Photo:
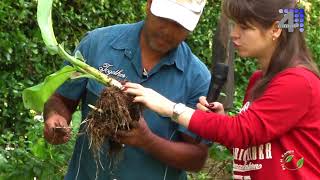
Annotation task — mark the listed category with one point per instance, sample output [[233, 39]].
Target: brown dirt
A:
[[115, 111]]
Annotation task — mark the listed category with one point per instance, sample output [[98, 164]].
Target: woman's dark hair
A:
[[291, 49]]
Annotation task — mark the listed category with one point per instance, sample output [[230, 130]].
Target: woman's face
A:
[[251, 41]]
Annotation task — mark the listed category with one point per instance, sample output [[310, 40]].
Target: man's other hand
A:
[[139, 136], [56, 130]]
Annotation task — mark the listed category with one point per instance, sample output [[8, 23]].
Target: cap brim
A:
[[180, 14]]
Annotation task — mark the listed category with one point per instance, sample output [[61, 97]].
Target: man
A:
[[152, 53]]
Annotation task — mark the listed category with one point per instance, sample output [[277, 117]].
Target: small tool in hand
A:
[[61, 129], [210, 107]]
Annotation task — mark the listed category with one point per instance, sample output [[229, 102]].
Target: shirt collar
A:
[[175, 56]]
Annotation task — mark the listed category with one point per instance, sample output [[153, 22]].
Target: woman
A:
[[277, 133]]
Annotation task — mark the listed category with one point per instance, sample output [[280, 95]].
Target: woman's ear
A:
[[275, 30]]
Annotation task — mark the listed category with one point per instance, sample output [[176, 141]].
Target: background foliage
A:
[[24, 62]]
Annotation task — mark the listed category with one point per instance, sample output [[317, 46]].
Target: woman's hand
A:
[[150, 99], [210, 107]]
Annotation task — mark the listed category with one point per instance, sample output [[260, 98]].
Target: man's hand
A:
[[139, 136], [187, 155], [57, 116], [56, 129]]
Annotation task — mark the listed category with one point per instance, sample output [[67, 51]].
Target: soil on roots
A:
[[113, 111]]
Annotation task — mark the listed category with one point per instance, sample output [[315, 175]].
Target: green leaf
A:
[[300, 163], [45, 23], [76, 119], [219, 153], [38, 149], [289, 158], [3, 161], [78, 55], [35, 97]]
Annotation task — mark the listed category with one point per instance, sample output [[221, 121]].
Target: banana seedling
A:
[[35, 97]]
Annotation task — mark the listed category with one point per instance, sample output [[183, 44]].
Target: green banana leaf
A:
[[45, 23], [35, 97]]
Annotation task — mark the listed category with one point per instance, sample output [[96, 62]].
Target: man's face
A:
[[162, 34]]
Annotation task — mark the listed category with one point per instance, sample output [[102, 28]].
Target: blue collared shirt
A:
[[180, 76]]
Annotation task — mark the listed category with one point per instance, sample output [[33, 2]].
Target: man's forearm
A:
[[181, 155], [59, 105]]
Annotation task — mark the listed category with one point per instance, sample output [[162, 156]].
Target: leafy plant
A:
[[36, 96], [31, 157], [24, 61]]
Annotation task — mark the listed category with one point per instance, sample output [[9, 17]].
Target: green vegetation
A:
[[25, 61], [35, 97]]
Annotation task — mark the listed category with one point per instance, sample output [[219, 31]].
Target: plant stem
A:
[[99, 76]]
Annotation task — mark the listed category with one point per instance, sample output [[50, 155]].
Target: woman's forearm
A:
[[185, 117]]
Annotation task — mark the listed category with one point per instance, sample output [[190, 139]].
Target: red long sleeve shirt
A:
[[277, 136]]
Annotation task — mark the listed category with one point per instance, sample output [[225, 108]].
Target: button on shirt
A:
[[180, 76]]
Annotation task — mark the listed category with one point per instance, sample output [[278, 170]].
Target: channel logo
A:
[[293, 19]]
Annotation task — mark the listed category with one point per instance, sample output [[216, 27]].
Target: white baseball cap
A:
[[185, 12]]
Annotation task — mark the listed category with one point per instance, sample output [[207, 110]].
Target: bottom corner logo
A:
[[290, 161]]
